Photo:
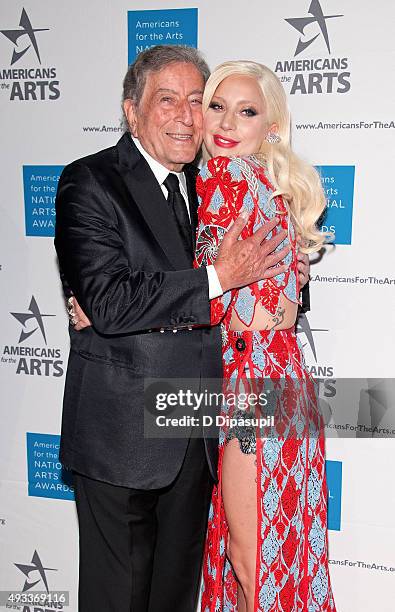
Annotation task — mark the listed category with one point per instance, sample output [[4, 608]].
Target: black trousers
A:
[[141, 551]]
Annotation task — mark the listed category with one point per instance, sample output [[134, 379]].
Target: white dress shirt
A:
[[161, 173]]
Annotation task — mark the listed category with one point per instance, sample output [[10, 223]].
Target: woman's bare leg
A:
[[239, 496], [241, 600]]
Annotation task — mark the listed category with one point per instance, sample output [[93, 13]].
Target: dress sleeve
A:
[[222, 193]]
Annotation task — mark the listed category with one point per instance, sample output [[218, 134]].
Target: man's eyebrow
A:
[[168, 90]]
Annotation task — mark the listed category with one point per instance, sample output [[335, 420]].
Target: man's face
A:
[[168, 120]]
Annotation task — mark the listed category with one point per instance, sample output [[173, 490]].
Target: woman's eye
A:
[[215, 106], [249, 112]]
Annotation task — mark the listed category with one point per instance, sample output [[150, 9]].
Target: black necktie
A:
[[179, 209]]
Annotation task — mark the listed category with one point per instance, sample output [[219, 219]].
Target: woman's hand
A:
[[77, 317]]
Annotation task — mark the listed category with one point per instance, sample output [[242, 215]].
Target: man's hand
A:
[[242, 262], [78, 318], [303, 269]]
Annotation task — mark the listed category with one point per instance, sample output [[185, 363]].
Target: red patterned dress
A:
[[292, 553]]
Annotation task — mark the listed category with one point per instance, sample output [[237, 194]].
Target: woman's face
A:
[[235, 122]]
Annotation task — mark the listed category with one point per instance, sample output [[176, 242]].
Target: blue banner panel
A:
[[334, 482], [46, 476], [161, 27], [40, 184], [338, 184]]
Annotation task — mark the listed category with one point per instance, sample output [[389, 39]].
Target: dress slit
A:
[[291, 565]]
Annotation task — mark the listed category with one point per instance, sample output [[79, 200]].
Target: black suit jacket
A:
[[119, 249]]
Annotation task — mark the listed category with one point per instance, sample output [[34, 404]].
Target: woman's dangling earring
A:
[[272, 138]]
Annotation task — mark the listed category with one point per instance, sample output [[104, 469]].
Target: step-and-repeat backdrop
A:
[[61, 68]]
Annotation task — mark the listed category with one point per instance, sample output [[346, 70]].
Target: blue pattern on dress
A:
[[297, 523], [258, 359], [288, 257], [270, 547], [303, 452], [271, 451], [204, 172], [267, 594], [300, 426], [312, 443], [269, 208], [228, 356], [317, 537], [235, 171], [226, 298], [270, 500], [217, 200], [298, 479], [244, 305], [314, 488], [248, 202], [320, 585], [290, 288], [311, 564], [212, 570]]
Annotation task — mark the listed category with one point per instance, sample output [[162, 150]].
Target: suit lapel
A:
[[191, 173], [148, 196]]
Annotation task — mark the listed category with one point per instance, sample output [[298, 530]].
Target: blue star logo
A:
[[35, 566], [303, 327], [318, 17], [26, 30], [35, 314]]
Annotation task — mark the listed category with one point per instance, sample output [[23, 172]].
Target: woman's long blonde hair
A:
[[295, 180]]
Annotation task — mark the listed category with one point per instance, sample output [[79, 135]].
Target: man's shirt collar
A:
[[160, 172]]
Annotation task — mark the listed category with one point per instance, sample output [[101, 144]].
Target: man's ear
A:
[[130, 113]]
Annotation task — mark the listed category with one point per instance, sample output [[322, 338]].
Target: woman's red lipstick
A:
[[226, 143]]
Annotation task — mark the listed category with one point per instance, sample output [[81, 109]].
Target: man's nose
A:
[[185, 112]]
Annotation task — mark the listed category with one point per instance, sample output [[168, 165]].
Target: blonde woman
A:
[[266, 545]]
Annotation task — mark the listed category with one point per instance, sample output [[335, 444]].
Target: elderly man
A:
[[125, 229]]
